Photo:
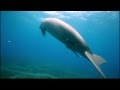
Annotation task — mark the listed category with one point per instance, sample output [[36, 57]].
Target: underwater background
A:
[[26, 53]]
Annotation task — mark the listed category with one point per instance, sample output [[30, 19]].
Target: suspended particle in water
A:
[[9, 41]]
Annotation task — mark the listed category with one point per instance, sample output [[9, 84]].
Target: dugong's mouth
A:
[[40, 26]]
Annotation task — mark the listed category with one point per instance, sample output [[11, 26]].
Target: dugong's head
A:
[[43, 26], [47, 24]]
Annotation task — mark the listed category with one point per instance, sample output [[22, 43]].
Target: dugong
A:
[[72, 40]]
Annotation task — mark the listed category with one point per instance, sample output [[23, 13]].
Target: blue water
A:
[[26, 53]]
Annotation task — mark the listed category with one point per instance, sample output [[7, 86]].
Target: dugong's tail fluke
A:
[[96, 60]]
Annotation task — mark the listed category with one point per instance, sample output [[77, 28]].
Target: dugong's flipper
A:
[[96, 60]]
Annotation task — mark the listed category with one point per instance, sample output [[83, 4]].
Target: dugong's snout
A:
[[42, 28]]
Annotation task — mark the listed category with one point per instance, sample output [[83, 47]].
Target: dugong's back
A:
[[61, 24]]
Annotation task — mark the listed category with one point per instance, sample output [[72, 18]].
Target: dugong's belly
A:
[[61, 33]]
